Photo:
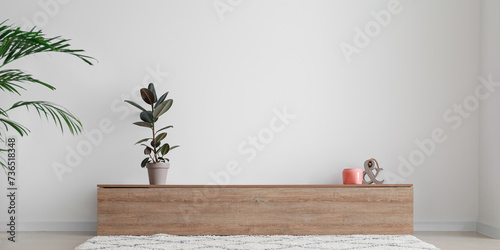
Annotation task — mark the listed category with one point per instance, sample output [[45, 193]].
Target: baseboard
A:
[[489, 230], [55, 226], [444, 226], [418, 226]]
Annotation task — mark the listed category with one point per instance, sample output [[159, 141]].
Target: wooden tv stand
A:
[[254, 209]]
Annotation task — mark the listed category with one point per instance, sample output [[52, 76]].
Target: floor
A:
[[69, 240], [459, 240], [45, 240]]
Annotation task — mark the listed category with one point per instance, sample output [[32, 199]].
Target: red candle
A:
[[352, 176]]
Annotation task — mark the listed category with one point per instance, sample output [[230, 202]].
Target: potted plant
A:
[[156, 162]]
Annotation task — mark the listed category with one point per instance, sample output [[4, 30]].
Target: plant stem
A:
[[154, 137]]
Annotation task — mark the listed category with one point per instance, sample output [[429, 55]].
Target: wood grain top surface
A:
[[253, 186]]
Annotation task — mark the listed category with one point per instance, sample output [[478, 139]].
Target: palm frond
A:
[[61, 116], [3, 113], [22, 130], [10, 79], [16, 43], [3, 137], [3, 163]]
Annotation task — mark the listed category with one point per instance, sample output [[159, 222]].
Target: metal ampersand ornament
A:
[[370, 166]]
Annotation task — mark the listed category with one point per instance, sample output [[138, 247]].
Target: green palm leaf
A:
[[22, 130], [3, 113], [61, 116], [10, 79], [3, 162], [16, 44], [4, 166]]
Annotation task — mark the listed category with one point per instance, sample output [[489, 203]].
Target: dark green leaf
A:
[[161, 99], [146, 116], [157, 144], [143, 140], [147, 151], [144, 124], [176, 146], [147, 96], [161, 137], [170, 126], [143, 163], [162, 108], [151, 88], [164, 149], [135, 105]]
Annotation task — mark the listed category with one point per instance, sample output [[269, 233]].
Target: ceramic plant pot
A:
[[157, 172], [352, 176]]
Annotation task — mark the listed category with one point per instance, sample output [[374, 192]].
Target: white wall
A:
[[489, 171], [227, 78]]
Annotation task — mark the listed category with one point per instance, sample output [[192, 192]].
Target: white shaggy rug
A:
[[165, 241]]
